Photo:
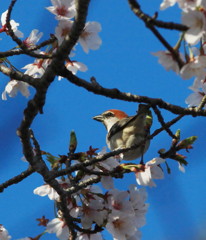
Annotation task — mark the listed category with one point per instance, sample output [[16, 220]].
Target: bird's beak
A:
[[98, 118]]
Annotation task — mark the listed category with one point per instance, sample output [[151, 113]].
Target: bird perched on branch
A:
[[124, 131]]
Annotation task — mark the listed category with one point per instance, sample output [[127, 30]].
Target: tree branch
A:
[[114, 93], [16, 39], [17, 75], [17, 179], [151, 22]]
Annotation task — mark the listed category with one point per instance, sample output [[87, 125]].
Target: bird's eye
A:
[[109, 114]]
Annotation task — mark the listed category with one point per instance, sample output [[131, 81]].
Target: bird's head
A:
[[110, 117]]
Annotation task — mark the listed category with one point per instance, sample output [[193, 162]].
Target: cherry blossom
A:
[[46, 189], [195, 67], [58, 226], [93, 211], [96, 236], [195, 98], [63, 9], [167, 3], [181, 168], [33, 38], [152, 171], [107, 165], [121, 226], [107, 182], [196, 22], [167, 61], [137, 199], [118, 200], [63, 29], [137, 236], [89, 38], [13, 24], [4, 235], [75, 66], [185, 5], [37, 68], [13, 87]]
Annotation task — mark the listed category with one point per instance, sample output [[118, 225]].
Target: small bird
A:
[[124, 131]]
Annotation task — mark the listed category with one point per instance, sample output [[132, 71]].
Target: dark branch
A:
[[20, 51], [17, 179], [162, 122], [16, 39], [117, 94], [17, 75], [152, 20], [151, 23]]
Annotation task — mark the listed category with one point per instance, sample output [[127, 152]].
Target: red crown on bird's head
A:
[[119, 114]]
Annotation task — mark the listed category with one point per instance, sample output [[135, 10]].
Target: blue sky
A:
[[124, 61]]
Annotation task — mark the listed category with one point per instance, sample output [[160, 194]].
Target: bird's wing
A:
[[120, 125]]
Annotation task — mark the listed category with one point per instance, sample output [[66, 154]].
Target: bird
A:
[[125, 131]]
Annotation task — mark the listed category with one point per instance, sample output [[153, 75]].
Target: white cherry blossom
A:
[[14, 25], [196, 22], [109, 164], [185, 5], [4, 235], [33, 38], [195, 98], [167, 61], [118, 200], [195, 67], [181, 168], [63, 9], [167, 3], [58, 226], [89, 38], [137, 199], [13, 87], [63, 29], [152, 171], [137, 236], [84, 236], [121, 226], [75, 66], [37, 68], [46, 189], [93, 212]]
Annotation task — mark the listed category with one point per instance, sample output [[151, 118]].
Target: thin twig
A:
[[14, 52], [16, 39], [135, 6], [152, 22], [162, 122], [17, 179], [202, 104]]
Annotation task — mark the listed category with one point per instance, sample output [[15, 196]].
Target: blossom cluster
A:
[[194, 59], [122, 213], [64, 12]]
